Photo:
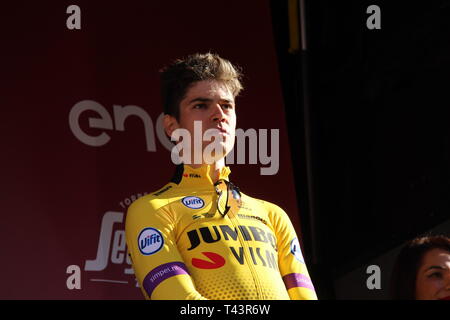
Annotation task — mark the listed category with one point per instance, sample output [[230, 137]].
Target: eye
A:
[[200, 106], [437, 275], [227, 106]]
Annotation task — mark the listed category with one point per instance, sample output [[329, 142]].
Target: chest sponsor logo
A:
[[296, 250], [150, 241], [193, 202], [224, 233], [215, 261]]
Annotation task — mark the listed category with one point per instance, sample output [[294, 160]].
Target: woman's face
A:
[[433, 276]]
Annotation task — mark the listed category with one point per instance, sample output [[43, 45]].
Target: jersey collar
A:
[[186, 176]]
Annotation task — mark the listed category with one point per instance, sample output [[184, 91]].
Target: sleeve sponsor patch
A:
[[294, 280], [161, 273], [296, 250], [150, 241]]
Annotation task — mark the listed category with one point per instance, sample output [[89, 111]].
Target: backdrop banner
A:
[[82, 132]]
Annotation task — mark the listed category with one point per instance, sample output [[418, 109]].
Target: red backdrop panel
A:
[[64, 201]]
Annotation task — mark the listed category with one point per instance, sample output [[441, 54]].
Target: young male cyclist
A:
[[199, 237]]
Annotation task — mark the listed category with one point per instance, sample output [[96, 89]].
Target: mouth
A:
[[222, 131]]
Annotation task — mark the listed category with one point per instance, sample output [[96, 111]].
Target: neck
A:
[[214, 169]]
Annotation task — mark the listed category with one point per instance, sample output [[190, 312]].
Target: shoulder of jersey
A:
[[272, 207], [247, 198], [158, 199]]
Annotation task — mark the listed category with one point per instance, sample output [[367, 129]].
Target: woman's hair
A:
[[182, 73], [409, 260]]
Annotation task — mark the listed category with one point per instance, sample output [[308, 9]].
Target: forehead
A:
[[436, 257], [209, 89]]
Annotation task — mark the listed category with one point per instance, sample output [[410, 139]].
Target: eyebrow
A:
[[434, 267], [200, 99]]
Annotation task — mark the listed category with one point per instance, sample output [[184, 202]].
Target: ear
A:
[[170, 124]]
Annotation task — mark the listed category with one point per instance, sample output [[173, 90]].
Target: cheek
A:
[[232, 122], [427, 288], [187, 122]]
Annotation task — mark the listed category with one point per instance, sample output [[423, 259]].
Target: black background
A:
[[379, 137]]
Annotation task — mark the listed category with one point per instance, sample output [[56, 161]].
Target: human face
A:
[[212, 104], [433, 277]]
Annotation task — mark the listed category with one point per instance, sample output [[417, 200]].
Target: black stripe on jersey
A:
[[178, 175]]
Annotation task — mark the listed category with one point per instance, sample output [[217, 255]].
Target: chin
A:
[[214, 157]]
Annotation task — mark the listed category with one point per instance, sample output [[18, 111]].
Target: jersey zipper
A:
[[235, 221]]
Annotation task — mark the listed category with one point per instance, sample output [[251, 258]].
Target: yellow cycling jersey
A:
[[181, 247]]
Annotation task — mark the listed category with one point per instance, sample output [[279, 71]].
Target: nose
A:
[[218, 115]]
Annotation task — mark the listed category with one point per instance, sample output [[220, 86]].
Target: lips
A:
[[221, 130]]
